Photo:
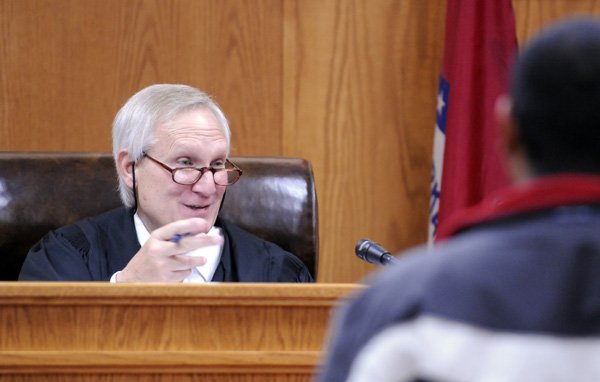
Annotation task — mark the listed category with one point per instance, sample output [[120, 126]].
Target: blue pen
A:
[[178, 236]]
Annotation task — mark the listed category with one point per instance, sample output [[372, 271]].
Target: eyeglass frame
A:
[[201, 171]]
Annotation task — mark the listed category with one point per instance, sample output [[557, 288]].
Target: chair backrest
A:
[[275, 199]]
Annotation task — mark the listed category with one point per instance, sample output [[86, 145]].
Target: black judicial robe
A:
[[94, 248]]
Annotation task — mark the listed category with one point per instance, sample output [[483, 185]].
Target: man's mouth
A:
[[195, 206]]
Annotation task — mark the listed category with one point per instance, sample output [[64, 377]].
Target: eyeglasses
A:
[[225, 176]]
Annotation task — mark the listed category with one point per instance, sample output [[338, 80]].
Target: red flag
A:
[[480, 44]]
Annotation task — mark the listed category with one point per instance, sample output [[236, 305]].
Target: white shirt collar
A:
[[201, 274]]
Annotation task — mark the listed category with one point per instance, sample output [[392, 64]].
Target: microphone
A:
[[373, 253]]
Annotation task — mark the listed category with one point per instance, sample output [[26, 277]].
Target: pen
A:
[[178, 236]]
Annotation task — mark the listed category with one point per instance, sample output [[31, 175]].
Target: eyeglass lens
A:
[[222, 177]]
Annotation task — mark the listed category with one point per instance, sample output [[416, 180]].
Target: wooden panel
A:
[[139, 377], [68, 65], [531, 15], [360, 79], [218, 365], [217, 332]]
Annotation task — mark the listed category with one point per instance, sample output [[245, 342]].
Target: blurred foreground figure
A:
[[514, 293]]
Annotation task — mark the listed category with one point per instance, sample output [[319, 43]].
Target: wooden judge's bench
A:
[[164, 332]]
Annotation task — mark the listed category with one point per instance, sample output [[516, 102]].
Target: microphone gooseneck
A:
[[373, 253]]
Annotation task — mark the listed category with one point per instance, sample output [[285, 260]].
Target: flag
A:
[[480, 42]]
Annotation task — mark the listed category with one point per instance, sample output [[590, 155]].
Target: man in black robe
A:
[[170, 144]]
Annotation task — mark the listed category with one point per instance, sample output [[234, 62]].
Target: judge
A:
[[171, 145]]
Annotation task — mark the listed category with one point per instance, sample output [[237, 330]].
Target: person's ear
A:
[[512, 145], [124, 164], [511, 140]]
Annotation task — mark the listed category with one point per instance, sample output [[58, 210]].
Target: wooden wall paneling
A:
[[531, 15], [246, 71], [68, 65], [54, 76], [360, 79]]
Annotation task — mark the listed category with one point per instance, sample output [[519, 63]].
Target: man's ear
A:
[[511, 140], [124, 167], [515, 156]]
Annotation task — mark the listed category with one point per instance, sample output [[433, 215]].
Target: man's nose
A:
[[206, 184]]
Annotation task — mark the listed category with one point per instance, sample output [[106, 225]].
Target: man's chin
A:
[[207, 221]]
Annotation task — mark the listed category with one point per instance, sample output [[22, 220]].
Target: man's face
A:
[[193, 139]]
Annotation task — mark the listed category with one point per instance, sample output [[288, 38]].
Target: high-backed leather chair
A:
[[275, 199]]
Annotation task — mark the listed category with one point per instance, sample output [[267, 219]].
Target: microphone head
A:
[[361, 248], [370, 251], [360, 244]]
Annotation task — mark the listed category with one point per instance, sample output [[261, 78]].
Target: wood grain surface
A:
[[359, 91], [99, 331]]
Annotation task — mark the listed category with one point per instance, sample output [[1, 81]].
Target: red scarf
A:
[[535, 195]]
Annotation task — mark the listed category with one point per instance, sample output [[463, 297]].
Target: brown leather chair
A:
[[275, 199]]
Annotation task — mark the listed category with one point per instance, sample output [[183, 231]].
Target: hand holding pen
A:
[[162, 258]]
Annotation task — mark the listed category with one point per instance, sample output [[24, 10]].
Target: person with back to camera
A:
[[514, 293], [170, 145]]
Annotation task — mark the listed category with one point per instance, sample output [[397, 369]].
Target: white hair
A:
[[134, 125]]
